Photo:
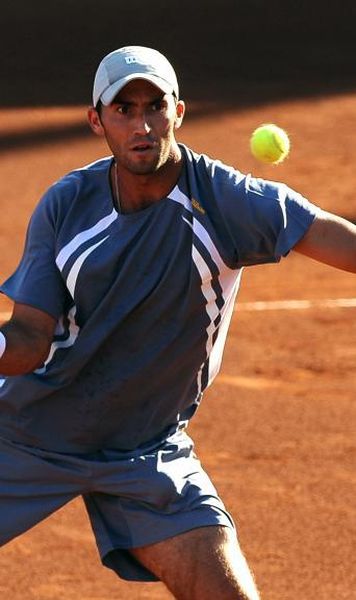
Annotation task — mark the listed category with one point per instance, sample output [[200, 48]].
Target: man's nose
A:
[[142, 125]]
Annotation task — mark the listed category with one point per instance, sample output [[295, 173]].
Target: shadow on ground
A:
[[230, 53]]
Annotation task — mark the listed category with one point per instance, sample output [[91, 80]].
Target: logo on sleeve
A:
[[197, 206]]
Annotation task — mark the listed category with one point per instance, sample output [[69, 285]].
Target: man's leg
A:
[[201, 564]]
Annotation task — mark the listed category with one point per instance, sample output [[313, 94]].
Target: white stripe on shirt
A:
[[83, 237], [74, 272], [73, 334], [229, 280]]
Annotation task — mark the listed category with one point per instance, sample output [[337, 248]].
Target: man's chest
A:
[[132, 264]]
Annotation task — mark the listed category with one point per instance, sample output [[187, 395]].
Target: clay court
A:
[[276, 431]]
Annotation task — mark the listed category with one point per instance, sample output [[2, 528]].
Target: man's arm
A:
[[28, 334], [331, 240]]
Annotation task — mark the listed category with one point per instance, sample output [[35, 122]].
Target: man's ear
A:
[[180, 110], [95, 121]]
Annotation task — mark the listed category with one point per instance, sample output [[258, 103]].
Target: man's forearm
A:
[[331, 240], [25, 349]]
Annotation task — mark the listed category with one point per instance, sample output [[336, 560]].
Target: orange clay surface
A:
[[277, 429]]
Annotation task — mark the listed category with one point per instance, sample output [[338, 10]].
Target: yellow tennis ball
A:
[[269, 143]]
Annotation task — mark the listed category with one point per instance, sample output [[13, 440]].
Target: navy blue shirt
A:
[[143, 300]]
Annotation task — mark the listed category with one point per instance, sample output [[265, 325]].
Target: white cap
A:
[[128, 63]]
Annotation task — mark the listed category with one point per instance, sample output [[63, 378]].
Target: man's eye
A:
[[159, 105], [122, 109]]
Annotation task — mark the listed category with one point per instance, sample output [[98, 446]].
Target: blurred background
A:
[[224, 51]]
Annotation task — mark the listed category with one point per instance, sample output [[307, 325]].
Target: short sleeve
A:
[[265, 219], [37, 280]]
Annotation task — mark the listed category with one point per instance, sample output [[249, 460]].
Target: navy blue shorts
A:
[[132, 500]]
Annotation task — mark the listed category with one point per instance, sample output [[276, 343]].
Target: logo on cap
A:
[[133, 59]]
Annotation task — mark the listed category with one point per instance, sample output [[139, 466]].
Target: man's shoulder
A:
[[206, 166], [74, 191], [76, 183], [211, 177], [84, 174]]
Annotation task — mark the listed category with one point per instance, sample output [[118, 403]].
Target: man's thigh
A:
[[201, 564]]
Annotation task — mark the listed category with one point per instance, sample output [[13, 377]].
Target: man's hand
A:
[[29, 335]]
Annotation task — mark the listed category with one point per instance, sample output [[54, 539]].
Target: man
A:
[[122, 302]]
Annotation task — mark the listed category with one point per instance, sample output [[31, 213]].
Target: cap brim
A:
[[108, 96]]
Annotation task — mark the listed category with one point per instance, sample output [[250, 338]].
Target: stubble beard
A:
[[142, 168], [151, 164]]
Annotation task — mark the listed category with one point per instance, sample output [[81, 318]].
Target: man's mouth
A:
[[142, 147]]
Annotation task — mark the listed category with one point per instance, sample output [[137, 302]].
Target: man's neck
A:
[[134, 192]]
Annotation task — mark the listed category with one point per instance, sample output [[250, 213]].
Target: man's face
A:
[[139, 127]]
